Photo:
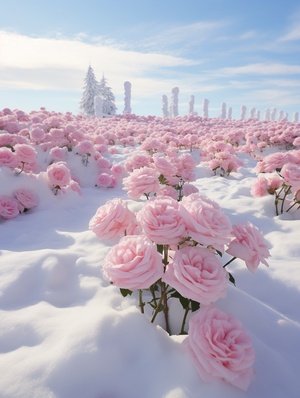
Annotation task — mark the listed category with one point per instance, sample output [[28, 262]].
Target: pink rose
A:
[[7, 158], [164, 166], [141, 181], [249, 245], [26, 157], [205, 221], [161, 221], [137, 161], [134, 263], [104, 180], [197, 274], [85, 147], [26, 198], [259, 187], [220, 347], [58, 174], [58, 153], [111, 220], [188, 189], [290, 172], [9, 207]]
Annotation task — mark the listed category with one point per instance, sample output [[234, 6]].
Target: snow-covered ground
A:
[[65, 332]]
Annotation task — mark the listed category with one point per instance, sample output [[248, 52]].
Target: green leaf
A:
[[126, 292], [195, 306], [231, 278], [183, 300], [160, 248]]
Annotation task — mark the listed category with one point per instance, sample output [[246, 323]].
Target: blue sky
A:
[[234, 51]]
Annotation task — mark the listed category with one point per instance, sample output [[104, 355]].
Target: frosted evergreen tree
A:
[[108, 107], [174, 106], [229, 113], [205, 108], [267, 115], [252, 113], [165, 107], [223, 111], [296, 117], [98, 106], [191, 105], [90, 91], [243, 112], [127, 97], [273, 114]]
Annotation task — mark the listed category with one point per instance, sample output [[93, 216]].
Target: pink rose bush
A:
[[59, 176], [220, 347], [21, 201], [282, 181], [170, 250]]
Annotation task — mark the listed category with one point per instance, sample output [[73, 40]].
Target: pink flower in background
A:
[[37, 134], [167, 190], [205, 221], [164, 166], [141, 181], [134, 263], [220, 347], [274, 183], [27, 198], [74, 186], [137, 161], [58, 174], [57, 153], [161, 221], [103, 163], [111, 220], [9, 207], [7, 158], [26, 157], [249, 245], [260, 187], [188, 189], [85, 147], [197, 274], [104, 180], [290, 172]]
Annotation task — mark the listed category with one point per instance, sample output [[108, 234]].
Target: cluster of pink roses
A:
[[281, 178], [59, 178], [21, 201], [170, 250]]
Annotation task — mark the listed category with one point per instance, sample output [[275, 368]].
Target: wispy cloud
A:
[[263, 69]]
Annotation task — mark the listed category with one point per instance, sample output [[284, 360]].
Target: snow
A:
[[66, 332]]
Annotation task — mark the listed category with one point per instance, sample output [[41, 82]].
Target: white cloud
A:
[[263, 69], [56, 63]]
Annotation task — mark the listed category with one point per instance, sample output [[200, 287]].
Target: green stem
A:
[[163, 295], [228, 262], [141, 303], [187, 309], [292, 206], [287, 191]]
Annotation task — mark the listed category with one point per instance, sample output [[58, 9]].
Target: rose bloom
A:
[[260, 187], [290, 172], [37, 134], [111, 220], [197, 274], [220, 347], [85, 147], [137, 161], [7, 158], [58, 153], [104, 180], [141, 181], [164, 166], [9, 207], [59, 174], [26, 198], [205, 221], [26, 157], [134, 263], [188, 189], [249, 245], [161, 221]]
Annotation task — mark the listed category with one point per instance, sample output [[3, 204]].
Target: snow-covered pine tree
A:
[[91, 90], [109, 107]]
